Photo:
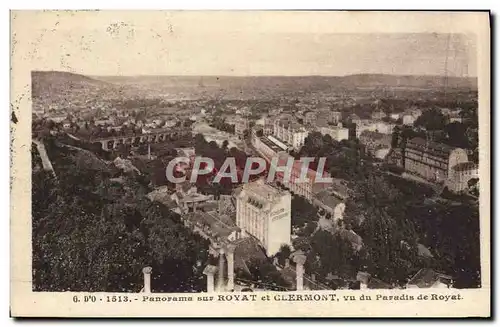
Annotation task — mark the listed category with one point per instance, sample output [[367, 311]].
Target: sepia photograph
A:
[[227, 155]]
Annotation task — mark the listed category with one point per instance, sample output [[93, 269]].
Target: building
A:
[[431, 160], [310, 117], [460, 176], [290, 132], [265, 213], [395, 116], [57, 118], [306, 188], [354, 118], [455, 117], [266, 146], [428, 278], [409, 119], [335, 117], [411, 115], [384, 127], [241, 125], [378, 114], [337, 133], [331, 203], [373, 126], [268, 129]]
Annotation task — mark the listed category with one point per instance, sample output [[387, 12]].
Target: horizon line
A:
[[222, 75]]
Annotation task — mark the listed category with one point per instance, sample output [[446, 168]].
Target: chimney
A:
[[313, 277], [287, 263], [146, 271], [275, 261]]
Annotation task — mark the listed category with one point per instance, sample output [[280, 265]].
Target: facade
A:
[[335, 117], [268, 129], [310, 117], [408, 119], [460, 176], [289, 132], [266, 147], [337, 133], [306, 189], [331, 203], [265, 213], [431, 160], [378, 114], [373, 126], [240, 126], [395, 116]]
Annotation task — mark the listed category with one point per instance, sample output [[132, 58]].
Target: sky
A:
[[96, 43]]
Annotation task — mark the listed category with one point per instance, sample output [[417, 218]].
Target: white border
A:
[[145, 4]]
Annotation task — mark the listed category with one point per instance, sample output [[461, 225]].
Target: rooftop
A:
[[260, 189], [426, 278], [434, 148], [328, 198]]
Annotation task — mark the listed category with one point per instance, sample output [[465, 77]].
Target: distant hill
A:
[[291, 82], [46, 82], [50, 85]]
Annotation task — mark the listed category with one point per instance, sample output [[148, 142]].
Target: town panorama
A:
[[399, 210]]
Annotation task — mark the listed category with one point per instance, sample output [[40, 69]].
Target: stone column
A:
[[146, 271], [230, 266], [220, 277], [300, 259], [210, 272]]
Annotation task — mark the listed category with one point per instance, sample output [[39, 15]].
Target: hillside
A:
[[46, 82], [56, 91], [293, 83], [67, 90]]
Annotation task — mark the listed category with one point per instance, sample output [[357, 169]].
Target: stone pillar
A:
[[220, 277], [146, 271], [210, 272], [230, 266], [300, 259]]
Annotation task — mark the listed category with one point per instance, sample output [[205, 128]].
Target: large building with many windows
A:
[[431, 160], [306, 188], [290, 132], [264, 212]]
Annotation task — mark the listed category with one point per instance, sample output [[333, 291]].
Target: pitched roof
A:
[[434, 148]]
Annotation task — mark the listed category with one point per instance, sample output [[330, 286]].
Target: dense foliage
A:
[[393, 216], [96, 233]]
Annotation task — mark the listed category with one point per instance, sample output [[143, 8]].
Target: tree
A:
[[265, 272], [92, 234], [432, 120], [283, 253], [333, 253]]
